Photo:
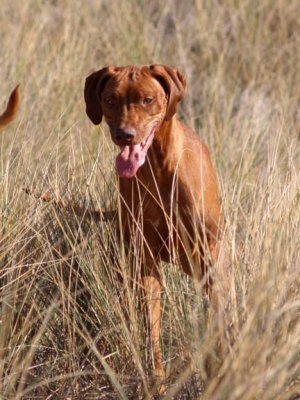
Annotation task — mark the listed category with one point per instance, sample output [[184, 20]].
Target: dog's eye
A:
[[110, 101], [147, 100]]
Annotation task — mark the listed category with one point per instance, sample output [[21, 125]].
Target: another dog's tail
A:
[[11, 108]]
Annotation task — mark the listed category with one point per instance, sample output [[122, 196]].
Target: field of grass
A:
[[65, 332]]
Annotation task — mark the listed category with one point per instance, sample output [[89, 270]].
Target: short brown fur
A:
[[173, 199], [11, 108]]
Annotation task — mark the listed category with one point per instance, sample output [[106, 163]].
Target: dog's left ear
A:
[[93, 88], [173, 83]]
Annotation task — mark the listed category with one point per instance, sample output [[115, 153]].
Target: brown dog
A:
[[11, 108], [168, 186]]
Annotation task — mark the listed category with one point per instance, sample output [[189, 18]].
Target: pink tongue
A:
[[128, 161]]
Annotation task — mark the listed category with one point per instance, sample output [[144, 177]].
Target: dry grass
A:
[[64, 329]]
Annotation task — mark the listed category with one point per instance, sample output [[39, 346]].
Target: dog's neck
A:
[[165, 144], [166, 138]]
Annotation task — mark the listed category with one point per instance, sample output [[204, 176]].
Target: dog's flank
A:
[[11, 108]]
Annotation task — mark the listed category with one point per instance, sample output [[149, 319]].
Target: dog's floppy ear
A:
[[94, 85], [173, 83]]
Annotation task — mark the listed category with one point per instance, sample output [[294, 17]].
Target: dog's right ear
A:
[[94, 85]]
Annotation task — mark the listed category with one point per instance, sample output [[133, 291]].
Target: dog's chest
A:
[[154, 209]]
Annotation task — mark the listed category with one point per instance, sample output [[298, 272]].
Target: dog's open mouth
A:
[[132, 157]]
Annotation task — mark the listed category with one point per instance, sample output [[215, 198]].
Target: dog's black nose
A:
[[124, 134]]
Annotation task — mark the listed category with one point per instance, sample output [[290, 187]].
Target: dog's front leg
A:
[[152, 291]]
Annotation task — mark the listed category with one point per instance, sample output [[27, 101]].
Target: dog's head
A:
[[134, 101]]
